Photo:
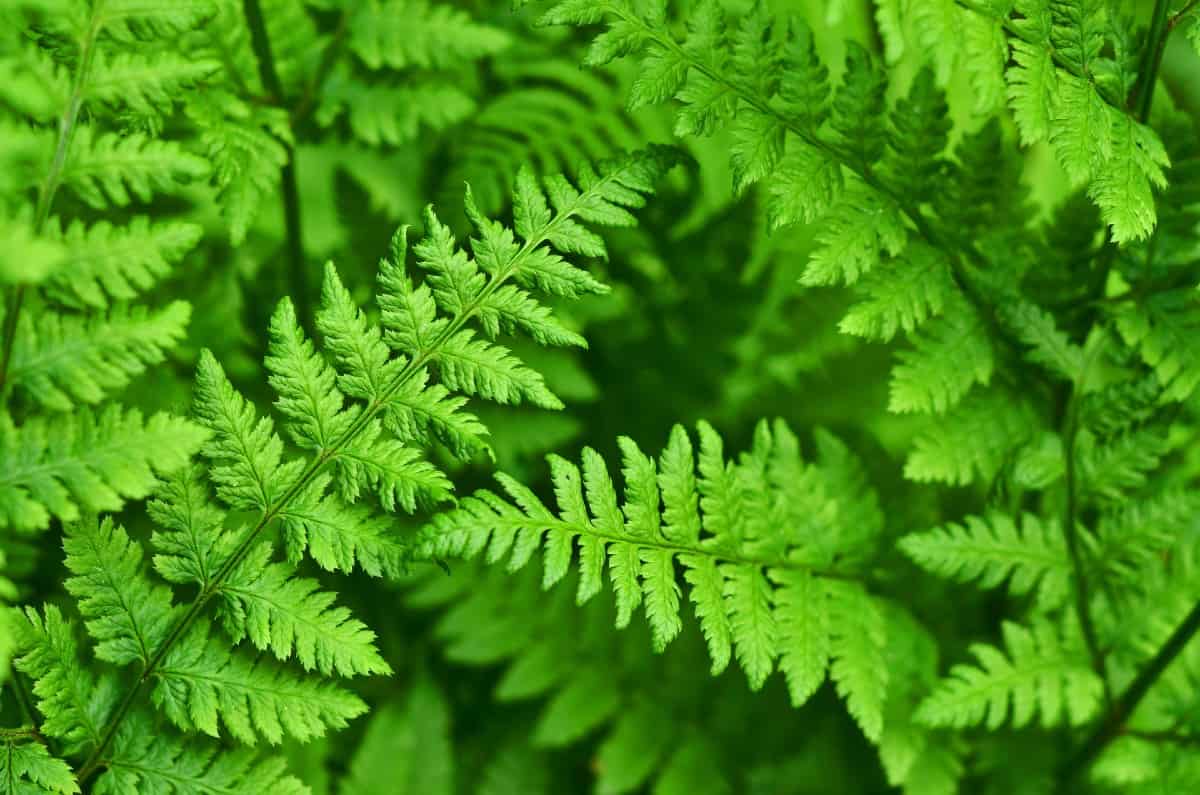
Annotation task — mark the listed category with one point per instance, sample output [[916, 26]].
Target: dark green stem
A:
[[297, 271], [1111, 727], [1156, 43], [24, 700]]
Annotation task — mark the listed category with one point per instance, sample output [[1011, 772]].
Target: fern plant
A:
[[363, 410], [892, 389]]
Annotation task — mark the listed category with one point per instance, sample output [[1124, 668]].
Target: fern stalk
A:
[[1152, 55], [1111, 727], [49, 188], [314, 467], [298, 276]]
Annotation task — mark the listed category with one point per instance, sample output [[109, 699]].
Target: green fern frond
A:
[[900, 294], [75, 704], [950, 354], [992, 550], [144, 83], [200, 684], [389, 115], [124, 611], [87, 463], [1056, 95], [194, 678], [1043, 674], [59, 360], [973, 441], [758, 590], [245, 146], [27, 767], [128, 20], [1048, 346], [145, 761], [29, 258], [1163, 330], [117, 263], [266, 603], [413, 33], [107, 169], [407, 747]]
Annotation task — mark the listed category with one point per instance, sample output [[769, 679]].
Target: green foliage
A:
[[950, 247], [759, 594]]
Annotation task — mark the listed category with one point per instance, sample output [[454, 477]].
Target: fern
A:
[[1041, 676], [87, 462], [993, 550], [760, 590], [962, 233], [194, 679]]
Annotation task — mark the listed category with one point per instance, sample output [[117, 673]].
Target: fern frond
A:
[[128, 20], [900, 294], [1042, 675], [124, 611], [1055, 94], [60, 359], [73, 702], [385, 114], [144, 83], [27, 767], [106, 169], [28, 258], [413, 33], [1163, 330], [751, 537], [143, 760], [117, 263], [407, 747], [992, 550], [87, 463], [245, 146], [1048, 346], [200, 682], [950, 355], [854, 235], [972, 441], [266, 603]]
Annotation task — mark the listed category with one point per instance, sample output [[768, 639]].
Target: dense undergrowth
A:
[[414, 396]]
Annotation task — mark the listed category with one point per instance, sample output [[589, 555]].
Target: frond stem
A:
[[49, 187], [271, 512], [1179, 15], [1113, 723], [269, 74], [1152, 55], [24, 700], [676, 549]]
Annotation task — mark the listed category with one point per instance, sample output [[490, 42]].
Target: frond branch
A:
[[411, 370], [49, 187], [954, 249]]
